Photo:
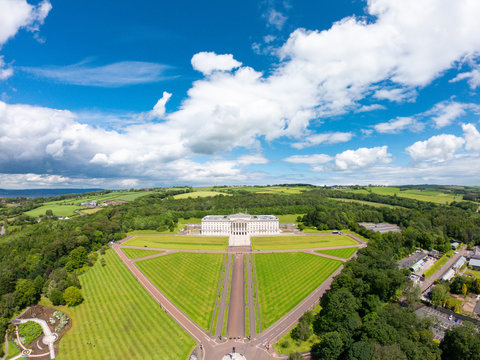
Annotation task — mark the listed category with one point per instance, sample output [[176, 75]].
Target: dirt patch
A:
[[43, 313]]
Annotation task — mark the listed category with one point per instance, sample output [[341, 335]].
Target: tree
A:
[[49, 213], [360, 350], [457, 284], [77, 258], [38, 283], [25, 293], [439, 294], [72, 296], [329, 348], [302, 331], [295, 356], [461, 342], [464, 289], [56, 297], [7, 281], [103, 262], [388, 352]]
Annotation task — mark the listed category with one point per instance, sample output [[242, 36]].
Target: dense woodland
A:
[[359, 319]]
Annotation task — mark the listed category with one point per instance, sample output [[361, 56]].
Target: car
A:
[[450, 317]]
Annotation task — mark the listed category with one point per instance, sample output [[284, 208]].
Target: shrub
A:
[[30, 331], [56, 297], [72, 296]]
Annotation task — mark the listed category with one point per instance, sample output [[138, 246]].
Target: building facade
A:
[[240, 224]]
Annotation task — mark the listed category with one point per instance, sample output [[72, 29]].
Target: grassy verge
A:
[[287, 345], [121, 319], [305, 272], [212, 330], [440, 262], [247, 322], [300, 242], [179, 242], [225, 320], [190, 280]]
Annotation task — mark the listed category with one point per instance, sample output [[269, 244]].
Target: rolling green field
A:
[[197, 194], [362, 202], [422, 195], [179, 242], [121, 319], [138, 253], [341, 253], [300, 242], [190, 280], [67, 207], [285, 279]]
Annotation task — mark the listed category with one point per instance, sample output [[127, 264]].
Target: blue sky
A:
[[251, 92]]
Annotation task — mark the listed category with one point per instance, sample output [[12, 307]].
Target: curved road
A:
[[254, 349]]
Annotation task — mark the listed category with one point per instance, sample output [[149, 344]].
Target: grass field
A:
[[341, 253], [91, 211], [67, 207], [197, 194], [440, 262], [300, 242], [12, 350], [287, 345], [285, 279], [179, 242], [138, 253], [121, 319], [474, 273], [190, 280], [422, 195], [362, 202], [290, 218]]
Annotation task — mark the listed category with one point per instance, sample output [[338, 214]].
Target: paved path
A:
[[236, 309], [256, 348], [49, 338], [223, 301], [439, 273]]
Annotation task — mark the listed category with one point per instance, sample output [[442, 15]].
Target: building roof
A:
[[239, 216], [460, 262], [474, 262], [449, 274]]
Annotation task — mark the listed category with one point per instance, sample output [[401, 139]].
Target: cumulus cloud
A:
[[159, 108], [111, 75], [17, 14], [437, 148], [362, 157], [446, 112], [395, 126], [208, 62], [325, 138], [472, 137], [472, 77]]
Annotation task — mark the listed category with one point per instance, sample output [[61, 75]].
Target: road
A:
[[439, 273], [214, 349]]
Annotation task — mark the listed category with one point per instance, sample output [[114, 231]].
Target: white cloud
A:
[[472, 137], [362, 157], [437, 148], [366, 108], [472, 77], [208, 62], [325, 138], [276, 18], [17, 14], [252, 159], [396, 95], [159, 108], [5, 70], [314, 159], [395, 126], [111, 75], [446, 112]]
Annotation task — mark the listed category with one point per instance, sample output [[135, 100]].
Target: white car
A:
[[450, 317]]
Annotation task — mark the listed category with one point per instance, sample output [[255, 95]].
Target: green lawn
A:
[[290, 218], [300, 242], [12, 350], [287, 345], [440, 262], [179, 242], [138, 253], [341, 253], [197, 194], [121, 319], [474, 273], [375, 204], [190, 280], [285, 279], [57, 209]]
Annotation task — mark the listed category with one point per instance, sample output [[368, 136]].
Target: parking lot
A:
[[442, 321]]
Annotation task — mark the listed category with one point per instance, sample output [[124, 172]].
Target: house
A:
[[476, 253], [455, 245]]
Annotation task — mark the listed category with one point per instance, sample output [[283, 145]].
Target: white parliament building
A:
[[239, 227]]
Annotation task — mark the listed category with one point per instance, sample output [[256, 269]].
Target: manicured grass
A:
[[225, 320], [57, 209], [214, 324], [440, 262], [180, 242], [121, 319], [341, 253], [247, 322], [12, 350], [190, 280], [300, 242], [197, 194], [475, 273], [139, 253], [285, 279], [290, 218]]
